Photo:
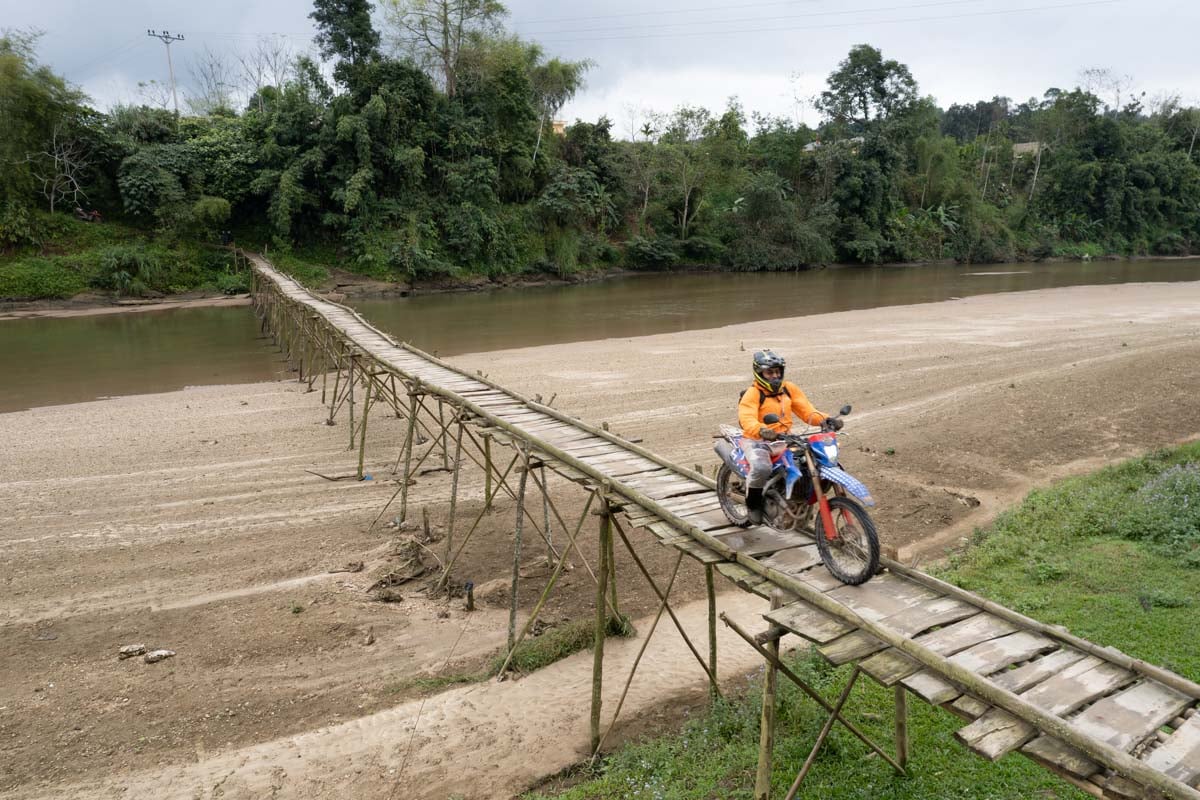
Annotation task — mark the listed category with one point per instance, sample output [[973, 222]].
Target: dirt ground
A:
[[188, 521]]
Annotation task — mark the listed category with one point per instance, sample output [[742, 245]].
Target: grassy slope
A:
[[1075, 554], [78, 256]]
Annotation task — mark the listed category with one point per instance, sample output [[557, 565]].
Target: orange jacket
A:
[[790, 399]]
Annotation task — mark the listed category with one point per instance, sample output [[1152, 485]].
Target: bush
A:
[[656, 254], [1166, 511], [130, 270], [19, 227], [210, 213], [38, 279]]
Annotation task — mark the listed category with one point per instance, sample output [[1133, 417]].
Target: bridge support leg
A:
[[516, 573], [662, 606], [350, 381], [766, 724], [825, 729], [811, 692], [712, 678], [487, 471], [454, 488], [408, 446], [362, 436], [601, 621], [901, 726], [710, 586]]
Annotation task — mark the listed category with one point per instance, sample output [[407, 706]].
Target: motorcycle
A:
[[808, 491]]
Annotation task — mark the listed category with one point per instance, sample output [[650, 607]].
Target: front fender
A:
[[847, 481]]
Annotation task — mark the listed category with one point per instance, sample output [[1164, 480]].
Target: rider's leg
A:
[[758, 456]]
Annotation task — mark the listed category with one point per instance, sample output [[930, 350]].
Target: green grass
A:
[[304, 268], [1085, 554]]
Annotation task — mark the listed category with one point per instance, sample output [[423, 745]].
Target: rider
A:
[[770, 394]]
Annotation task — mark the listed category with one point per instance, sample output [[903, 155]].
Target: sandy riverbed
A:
[[187, 520]]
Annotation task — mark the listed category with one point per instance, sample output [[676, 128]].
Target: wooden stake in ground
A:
[[454, 488], [362, 439], [901, 725], [408, 446]]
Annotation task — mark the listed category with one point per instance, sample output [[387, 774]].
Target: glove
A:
[[767, 434], [831, 424]]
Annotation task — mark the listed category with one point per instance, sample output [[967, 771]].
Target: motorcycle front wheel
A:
[[852, 553], [731, 493]]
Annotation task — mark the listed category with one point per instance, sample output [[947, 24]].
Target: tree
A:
[[61, 167], [554, 83], [865, 88], [434, 33], [35, 103], [345, 32], [266, 64], [213, 79]]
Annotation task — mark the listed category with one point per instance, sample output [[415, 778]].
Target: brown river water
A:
[[68, 360]]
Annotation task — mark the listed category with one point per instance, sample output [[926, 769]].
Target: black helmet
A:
[[766, 359]]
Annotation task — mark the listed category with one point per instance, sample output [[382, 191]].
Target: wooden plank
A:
[[760, 541], [969, 707], [794, 560], [1129, 716], [851, 647], [930, 687], [1051, 752], [744, 578], [698, 552], [811, 623], [889, 666], [966, 633], [882, 596], [1020, 679], [1179, 755], [997, 732], [996, 654]]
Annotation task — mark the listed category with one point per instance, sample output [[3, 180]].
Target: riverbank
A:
[[349, 286], [187, 520]]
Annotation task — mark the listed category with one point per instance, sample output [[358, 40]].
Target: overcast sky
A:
[[659, 54]]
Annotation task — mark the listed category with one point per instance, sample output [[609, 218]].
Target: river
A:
[[48, 361]]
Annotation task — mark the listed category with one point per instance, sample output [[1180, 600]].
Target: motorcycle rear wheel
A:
[[731, 494], [852, 555]]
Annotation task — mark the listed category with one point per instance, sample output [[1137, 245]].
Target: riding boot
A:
[[754, 506]]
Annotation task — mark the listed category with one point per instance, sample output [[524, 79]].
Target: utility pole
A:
[[167, 37]]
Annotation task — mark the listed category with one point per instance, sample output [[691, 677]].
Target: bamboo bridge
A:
[[1112, 725]]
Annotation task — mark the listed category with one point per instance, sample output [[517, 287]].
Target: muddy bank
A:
[[187, 520]]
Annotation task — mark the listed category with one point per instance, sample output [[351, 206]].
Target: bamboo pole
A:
[[516, 572], [901, 725], [825, 729], [712, 679], [601, 622], [711, 589], [408, 445], [487, 472], [537, 609], [550, 553], [454, 489], [350, 381], [766, 719], [362, 438], [812, 693], [662, 606], [442, 425]]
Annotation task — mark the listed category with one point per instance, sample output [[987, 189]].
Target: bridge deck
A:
[[1111, 724]]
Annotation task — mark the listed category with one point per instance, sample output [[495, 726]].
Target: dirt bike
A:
[[806, 477]]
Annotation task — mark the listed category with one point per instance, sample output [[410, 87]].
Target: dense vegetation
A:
[[1112, 556], [442, 161]]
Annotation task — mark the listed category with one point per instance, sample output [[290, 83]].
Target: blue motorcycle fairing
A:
[[791, 473], [852, 484]]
